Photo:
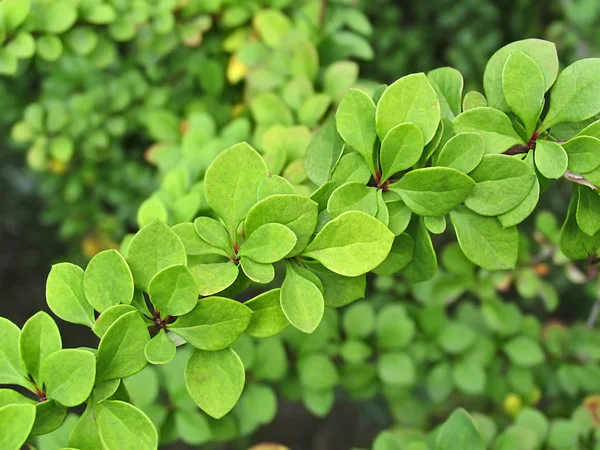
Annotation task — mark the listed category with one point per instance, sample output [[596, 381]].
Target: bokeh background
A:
[[87, 119]]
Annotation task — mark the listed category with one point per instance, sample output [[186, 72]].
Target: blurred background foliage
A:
[[110, 112]]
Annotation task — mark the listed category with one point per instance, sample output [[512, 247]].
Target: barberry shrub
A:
[[388, 170]]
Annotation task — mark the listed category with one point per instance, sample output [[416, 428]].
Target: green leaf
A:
[[524, 87], [424, 263], [272, 26], [85, 432], [459, 431], [583, 153], [494, 126], [69, 376], [323, 152], [124, 427], [351, 244], [58, 17], [518, 214], [215, 323], [576, 94], [192, 427], [550, 159], [257, 272], [462, 152], [193, 243], [338, 290], [410, 99], [400, 149], [433, 191], [588, 213], [12, 369], [456, 338], [313, 109], [268, 318], [296, 212], [16, 422], [400, 256], [473, 99], [272, 185], [352, 167], [14, 12], [484, 241], [353, 196], [448, 84], [107, 280], [542, 52], [214, 233], [173, 291], [152, 249], [49, 47], [215, 277], [399, 216], [160, 349], [394, 328], [150, 210], [121, 350], [268, 243], [359, 320], [316, 371], [339, 77], [65, 297], [524, 351], [49, 416], [39, 338], [355, 120], [396, 369], [231, 183], [302, 301], [23, 47], [215, 380], [503, 182], [435, 224], [108, 317], [574, 243]]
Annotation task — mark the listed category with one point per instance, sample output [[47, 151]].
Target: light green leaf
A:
[[85, 432], [448, 84], [160, 349], [583, 153], [484, 241], [268, 318], [39, 338], [396, 369], [473, 99], [14, 12], [524, 351], [268, 243], [550, 159], [576, 94], [323, 152], [121, 350], [272, 185], [16, 422], [214, 277], [173, 291], [519, 213], [313, 109], [150, 210], [272, 26], [524, 87], [152, 249], [215, 380], [107, 280], [339, 77], [69, 376], [296, 212], [588, 213], [424, 263], [12, 369], [302, 301], [494, 126], [351, 244], [193, 243], [503, 182], [433, 191], [400, 256], [355, 120], [108, 317], [352, 167], [410, 99], [49, 416], [353, 196], [257, 272], [542, 52], [215, 323], [192, 427], [400, 149], [574, 243], [394, 328], [338, 290], [400, 215], [469, 377], [316, 371], [124, 427], [462, 152], [65, 297], [435, 224], [459, 431], [58, 17], [456, 338], [231, 183], [214, 233]]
